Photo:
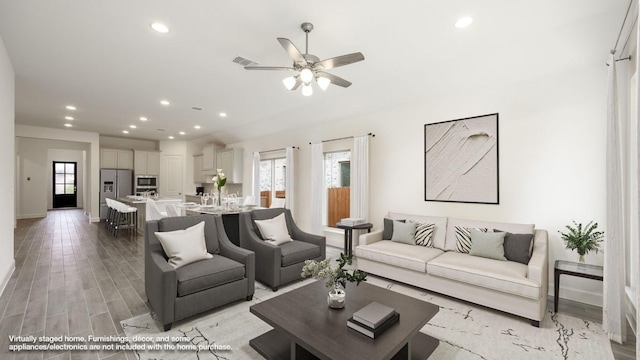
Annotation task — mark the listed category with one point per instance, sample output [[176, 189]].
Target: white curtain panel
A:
[[359, 207], [317, 186], [256, 178], [289, 199], [614, 265]]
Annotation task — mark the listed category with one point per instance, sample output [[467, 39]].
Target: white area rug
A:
[[465, 331]]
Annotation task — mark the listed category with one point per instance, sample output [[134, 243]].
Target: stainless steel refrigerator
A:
[[114, 183]]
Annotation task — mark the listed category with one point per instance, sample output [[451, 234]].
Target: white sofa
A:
[[508, 286]]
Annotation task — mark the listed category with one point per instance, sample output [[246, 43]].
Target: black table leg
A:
[[556, 290]]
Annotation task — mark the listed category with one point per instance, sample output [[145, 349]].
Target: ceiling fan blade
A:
[[335, 80], [268, 68], [293, 51], [298, 83], [337, 61]]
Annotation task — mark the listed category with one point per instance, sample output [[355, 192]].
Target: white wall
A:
[[110, 142], [66, 156], [35, 173], [7, 152], [551, 155], [36, 160]]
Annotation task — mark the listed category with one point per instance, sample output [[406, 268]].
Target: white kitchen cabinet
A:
[[116, 159], [125, 159], [209, 159], [197, 168], [231, 163], [146, 163]]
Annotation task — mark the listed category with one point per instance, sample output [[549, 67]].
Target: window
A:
[[272, 180], [337, 166]]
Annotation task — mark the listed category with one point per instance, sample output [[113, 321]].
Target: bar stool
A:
[[111, 216], [127, 217]]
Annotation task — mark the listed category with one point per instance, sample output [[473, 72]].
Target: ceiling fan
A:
[[310, 67]]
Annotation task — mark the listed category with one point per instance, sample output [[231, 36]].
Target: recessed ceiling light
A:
[[223, 114], [68, 125], [142, 118], [125, 131], [197, 127], [164, 102], [463, 22], [171, 137], [68, 117], [70, 107], [182, 133], [132, 126], [160, 27]]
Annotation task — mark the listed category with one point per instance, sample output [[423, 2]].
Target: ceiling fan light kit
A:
[[310, 67]]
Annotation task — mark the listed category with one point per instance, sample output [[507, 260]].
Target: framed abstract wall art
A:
[[461, 160]]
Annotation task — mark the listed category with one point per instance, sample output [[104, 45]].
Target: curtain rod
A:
[[622, 25], [272, 150], [344, 138]]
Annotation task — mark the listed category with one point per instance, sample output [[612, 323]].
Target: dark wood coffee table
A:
[[306, 328]]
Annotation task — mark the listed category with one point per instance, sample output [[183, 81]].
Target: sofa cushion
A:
[[274, 230], [518, 247], [439, 231], [206, 274], [184, 246], [387, 231], [402, 255], [488, 244], [424, 234], [507, 227], [404, 232], [463, 238], [506, 276], [298, 251]]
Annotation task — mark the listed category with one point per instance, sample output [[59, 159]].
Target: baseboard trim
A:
[[94, 219], [5, 280], [32, 216]]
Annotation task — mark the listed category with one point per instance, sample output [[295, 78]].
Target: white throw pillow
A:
[[274, 230], [184, 246]]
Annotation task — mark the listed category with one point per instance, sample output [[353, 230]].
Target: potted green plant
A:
[[583, 239], [335, 277]]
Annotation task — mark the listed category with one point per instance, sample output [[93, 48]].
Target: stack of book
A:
[[352, 221], [373, 319]]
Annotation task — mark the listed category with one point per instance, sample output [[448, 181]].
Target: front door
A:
[[64, 184]]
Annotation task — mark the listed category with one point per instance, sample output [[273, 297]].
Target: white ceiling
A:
[[102, 57]]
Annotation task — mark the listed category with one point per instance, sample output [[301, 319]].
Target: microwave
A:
[[146, 182]]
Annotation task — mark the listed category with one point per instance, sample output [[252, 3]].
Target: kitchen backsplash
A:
[[229, 188]]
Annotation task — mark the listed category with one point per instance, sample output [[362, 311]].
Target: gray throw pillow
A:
[[487, 244], [404, 232], [387, 231], [517, 247]]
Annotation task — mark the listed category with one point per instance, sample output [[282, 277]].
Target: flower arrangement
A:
[[219, 180], [334, 276], [583, 239]]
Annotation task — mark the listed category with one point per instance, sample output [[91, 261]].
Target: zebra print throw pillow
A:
[[424, 234], [463, 238]]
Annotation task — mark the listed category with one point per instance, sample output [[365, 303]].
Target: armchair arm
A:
[[161, 286], [236, 253], [370, 238], [268, 257], [318, 240]]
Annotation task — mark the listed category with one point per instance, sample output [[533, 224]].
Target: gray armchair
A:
[[279, 265], [175, 294]]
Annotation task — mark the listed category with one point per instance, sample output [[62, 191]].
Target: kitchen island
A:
[[230, 218], [140, 203]]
